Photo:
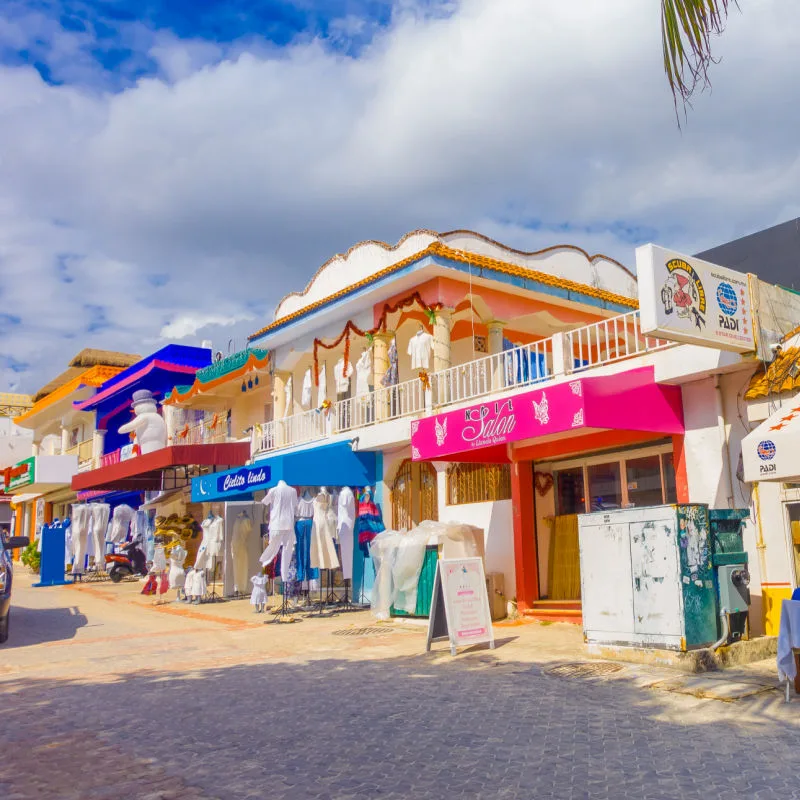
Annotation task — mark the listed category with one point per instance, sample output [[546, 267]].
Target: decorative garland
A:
[[350, 326], [543, 481], [425, 380]]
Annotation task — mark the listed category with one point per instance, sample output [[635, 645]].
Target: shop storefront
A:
[[583, 445]]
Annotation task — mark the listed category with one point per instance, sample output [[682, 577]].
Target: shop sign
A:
[[536, 413], [460, 604], [126, 452], [19, 475], [234, 482], [685, 299]]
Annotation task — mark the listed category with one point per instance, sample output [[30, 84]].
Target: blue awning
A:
[[325, 465]]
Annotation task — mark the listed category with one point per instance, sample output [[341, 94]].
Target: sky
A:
[[170, 170]]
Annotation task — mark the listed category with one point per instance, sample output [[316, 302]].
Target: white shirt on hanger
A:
[[347, 507], [287, 394], [341, 375], [305, 396], [363, 372], [322, 389], [419, 348], [282, 502]]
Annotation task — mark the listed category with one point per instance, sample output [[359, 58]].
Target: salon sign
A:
[[496, 422]]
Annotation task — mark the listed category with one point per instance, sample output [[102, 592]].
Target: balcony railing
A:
[[84, 451], [610, 340], [202, 433]]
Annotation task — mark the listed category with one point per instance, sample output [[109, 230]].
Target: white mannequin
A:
[[100, 512], [282, 503], [305, 396], [148, 425], [419, 348], [323, 532], [80, 533], [177, 576], [363, 372], [346, 522], [242, 528], [211, 544]]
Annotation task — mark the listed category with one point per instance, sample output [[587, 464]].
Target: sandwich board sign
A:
[[460, 605]]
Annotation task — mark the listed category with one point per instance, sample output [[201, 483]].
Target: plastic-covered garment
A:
[[383, 549], [177, 576], [406, 567], [120, 523], [457, 539], [80, 534], [99, 512], [159, 559]]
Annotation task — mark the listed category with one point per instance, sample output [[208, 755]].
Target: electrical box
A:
[[647, 578]]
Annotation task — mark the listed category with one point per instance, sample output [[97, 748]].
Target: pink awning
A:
[[629, 401]]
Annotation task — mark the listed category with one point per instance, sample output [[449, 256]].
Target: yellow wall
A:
[[772, 599]]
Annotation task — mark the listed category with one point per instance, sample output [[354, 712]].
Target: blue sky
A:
[[170, 170]]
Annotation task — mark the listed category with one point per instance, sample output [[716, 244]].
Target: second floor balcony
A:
[[574, 351]]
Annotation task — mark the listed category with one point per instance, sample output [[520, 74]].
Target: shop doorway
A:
[[415, 495], [793, 518]]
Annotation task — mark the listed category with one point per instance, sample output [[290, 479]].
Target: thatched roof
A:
[[84, 360], [106, 358]]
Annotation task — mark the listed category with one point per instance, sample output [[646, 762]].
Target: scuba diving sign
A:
[[685, 299]]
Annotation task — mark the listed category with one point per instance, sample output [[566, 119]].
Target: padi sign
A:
[[247, 479]]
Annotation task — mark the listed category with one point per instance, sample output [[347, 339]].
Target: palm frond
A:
[[687, 28]]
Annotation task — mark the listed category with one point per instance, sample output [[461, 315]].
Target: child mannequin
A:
[[259, 596]]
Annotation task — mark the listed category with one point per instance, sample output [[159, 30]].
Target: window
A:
[[670, 489], [478, 483], [605, 486], [644, 481], [571, 494]]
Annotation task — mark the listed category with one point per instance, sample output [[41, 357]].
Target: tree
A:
[[687, 28]]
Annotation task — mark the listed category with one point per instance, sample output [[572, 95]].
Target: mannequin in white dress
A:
[[322, 386], [364, 372], [420, 348], [242, 529], [342, 373], [211, 544], [346, 522], [323, 532], [305, 395], [177, 576], [80, 533], [282, 503]]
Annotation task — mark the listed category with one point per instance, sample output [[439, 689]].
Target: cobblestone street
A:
[[105, 696]]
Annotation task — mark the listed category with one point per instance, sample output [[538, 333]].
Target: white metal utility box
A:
[[647, 577]]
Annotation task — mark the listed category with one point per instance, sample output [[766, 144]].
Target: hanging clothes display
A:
[[305, 395], [282, 503], [211, 545], [392, 375], [346, 524], [420, 347], [323, 533], [302, 531], [100, 513], [341, 376], [287, 396], [242, 530], [120, 523], [80, 534], [322, 386], [369, 522], [364, 373]]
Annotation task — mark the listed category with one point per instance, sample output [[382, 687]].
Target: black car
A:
[[6, 576]]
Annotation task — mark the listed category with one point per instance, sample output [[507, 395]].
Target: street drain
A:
[[373, 631], [592, 669]]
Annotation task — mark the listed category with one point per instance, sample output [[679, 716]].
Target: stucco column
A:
[[380, 366], [64, 440], [98, 441], [441, 339], [496, 329], [35, 449]]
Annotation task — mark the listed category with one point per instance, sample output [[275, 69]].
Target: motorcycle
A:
[[131, 561]]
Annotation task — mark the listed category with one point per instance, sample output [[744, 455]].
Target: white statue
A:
[[148, 425]]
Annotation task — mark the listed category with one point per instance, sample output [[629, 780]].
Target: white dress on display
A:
[[419, 348], [100, 512], [282, 503], [242, 528], [341, 376], [120, 523], [211, 545], [346, 523], [287, 396], [177, 576], [259, 594], [323, 532], [363, 373], [199, 584], [305, 396], [159, 559], [80, 533], [322, 386]]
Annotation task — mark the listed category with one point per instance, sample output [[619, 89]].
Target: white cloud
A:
[[208, 194]]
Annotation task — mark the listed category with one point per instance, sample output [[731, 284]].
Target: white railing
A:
[[603, 342], [496, 373], [610, 340], [202, 433]]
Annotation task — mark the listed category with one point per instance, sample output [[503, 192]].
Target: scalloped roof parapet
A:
[[365, 259]]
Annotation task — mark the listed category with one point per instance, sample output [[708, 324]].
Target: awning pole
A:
[[727, 471]]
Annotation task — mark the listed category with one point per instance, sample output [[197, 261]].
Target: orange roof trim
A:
[[462, 256], [198, 387]]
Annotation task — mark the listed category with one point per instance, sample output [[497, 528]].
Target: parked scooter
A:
[[131, 561]]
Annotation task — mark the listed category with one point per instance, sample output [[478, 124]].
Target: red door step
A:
[[556, 611]]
